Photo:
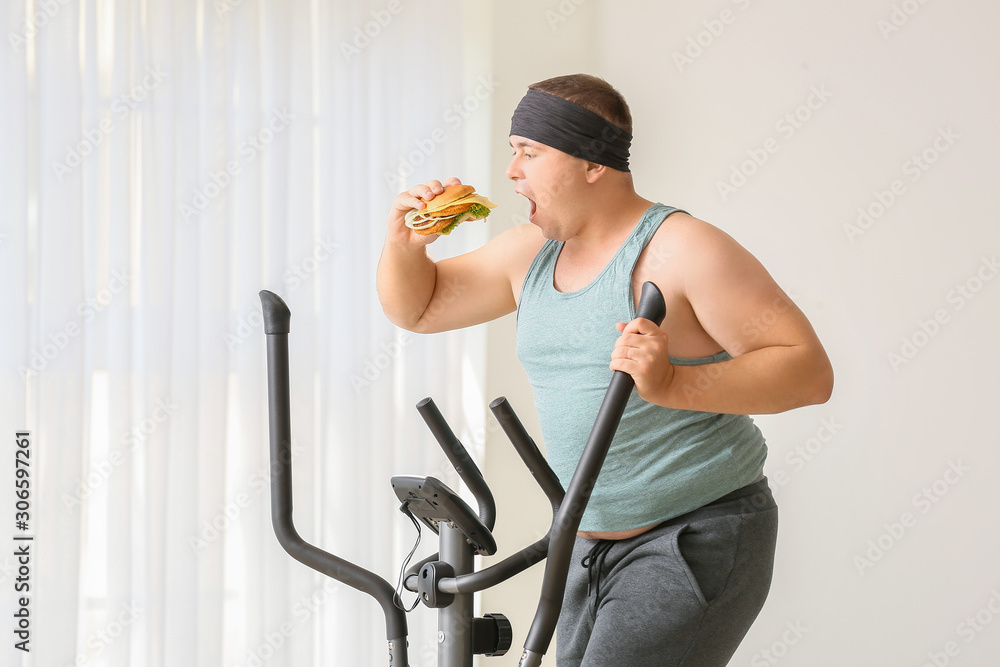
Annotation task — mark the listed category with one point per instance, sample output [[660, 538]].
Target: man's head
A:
[[570, 137]]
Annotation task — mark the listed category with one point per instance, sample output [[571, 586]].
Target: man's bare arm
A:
[[778, 361]]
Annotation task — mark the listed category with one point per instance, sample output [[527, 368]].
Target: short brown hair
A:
[[590, 92]]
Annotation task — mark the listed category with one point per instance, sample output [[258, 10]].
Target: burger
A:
[[448, 210]]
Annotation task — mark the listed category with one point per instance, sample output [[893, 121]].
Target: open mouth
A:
[[532, 206]]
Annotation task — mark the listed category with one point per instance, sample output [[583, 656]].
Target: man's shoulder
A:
[[684, 246], [679, 222], [682, 233]]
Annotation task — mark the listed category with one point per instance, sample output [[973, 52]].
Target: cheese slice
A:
[[475, 199]]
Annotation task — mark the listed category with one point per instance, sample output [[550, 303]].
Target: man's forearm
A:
[[405, 281], [764, 381]]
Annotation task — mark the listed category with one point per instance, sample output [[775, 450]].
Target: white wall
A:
[[869, 571]]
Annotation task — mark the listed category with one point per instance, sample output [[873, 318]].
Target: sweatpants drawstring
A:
[[594, 562]]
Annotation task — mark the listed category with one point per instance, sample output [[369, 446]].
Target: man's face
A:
[[552, 182]]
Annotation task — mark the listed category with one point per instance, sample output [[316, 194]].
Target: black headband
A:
[[570, 128]]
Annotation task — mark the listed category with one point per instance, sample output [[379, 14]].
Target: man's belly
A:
[[618, 535]]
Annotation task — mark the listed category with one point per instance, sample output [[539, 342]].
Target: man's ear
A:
[[594, 172]]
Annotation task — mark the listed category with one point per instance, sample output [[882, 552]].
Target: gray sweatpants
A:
[[683, 594]]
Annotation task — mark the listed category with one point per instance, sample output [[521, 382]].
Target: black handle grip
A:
[[276, 313], [563, 534], [651, 305], [529, 452], [460, 458]]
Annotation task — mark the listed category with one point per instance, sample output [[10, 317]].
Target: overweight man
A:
[[674, 555]]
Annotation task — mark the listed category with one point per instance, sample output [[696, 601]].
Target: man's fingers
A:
[[633, 327], [637, 336], [408, 200], [631, 340], [633, 367], [625, 355], [637, 327], [437, 187], [426, 191], [641, 325], [420, 194]]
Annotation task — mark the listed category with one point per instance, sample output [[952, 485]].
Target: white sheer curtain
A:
[[161, 162]]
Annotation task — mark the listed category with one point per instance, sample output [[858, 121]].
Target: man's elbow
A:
[[408, 321], [399, 312], [821, 382]]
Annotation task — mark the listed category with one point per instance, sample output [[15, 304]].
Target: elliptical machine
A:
[[446, 581]]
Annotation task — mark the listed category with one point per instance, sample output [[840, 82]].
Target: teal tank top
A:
[[662, 462]]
